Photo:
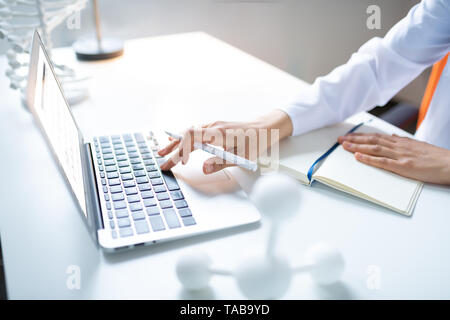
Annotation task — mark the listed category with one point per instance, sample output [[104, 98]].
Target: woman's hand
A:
[[246, 139], [404, 156]]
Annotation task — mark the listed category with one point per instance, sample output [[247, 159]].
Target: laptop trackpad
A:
[[192, 174]]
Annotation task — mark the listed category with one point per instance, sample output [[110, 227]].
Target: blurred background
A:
[[302, 37]]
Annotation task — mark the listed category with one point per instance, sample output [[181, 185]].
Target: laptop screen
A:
[[56, 120]]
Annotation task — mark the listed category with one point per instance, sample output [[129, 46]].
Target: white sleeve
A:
[[379, 69]]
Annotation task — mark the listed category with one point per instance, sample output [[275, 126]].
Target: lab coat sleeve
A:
[[377, 71]]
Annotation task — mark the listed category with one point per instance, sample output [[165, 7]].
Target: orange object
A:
[[436, 72]]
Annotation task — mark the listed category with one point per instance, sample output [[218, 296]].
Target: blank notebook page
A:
[[386, 187], [299, 153]]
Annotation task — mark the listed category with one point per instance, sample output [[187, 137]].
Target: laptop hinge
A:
[[92, 192]]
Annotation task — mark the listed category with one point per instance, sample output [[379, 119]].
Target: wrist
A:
[[275, 120], [447, 168]]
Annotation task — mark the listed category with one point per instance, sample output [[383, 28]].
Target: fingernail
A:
[[347, 144], [358, 156], [209, 168]]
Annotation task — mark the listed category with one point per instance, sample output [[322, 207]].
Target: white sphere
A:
[[277, 196], [264, 278], [328, 263], [193, 271]]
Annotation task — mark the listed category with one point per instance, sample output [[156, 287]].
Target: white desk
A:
[[198, 79]]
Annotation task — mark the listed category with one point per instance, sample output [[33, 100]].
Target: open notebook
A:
[[340, 169]]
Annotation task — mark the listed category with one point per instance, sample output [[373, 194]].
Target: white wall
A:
[[306, 38]]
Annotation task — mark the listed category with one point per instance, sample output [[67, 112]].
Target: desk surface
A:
[[198, 79]]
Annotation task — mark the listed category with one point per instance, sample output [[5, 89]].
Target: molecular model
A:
[[269, 276]]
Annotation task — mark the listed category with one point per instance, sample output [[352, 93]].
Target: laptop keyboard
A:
[[140, 198]]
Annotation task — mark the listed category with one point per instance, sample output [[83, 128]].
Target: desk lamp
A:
[[99, 48]]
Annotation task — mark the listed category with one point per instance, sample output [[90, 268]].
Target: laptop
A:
[[123, 196]]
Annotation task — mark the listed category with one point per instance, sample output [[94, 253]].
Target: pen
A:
[[225, 155]]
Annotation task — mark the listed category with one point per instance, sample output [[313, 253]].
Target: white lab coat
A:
[[380, 69]]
